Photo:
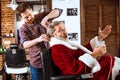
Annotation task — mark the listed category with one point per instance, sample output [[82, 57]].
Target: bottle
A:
[[2, 50], [10, 33]]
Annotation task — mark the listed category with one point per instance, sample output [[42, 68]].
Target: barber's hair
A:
[[22, 8], [51, 27]]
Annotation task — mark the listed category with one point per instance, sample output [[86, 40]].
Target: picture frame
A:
[[73, 36], [72, 11]]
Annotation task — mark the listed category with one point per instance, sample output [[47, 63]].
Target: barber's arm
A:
[[27, 42], [30, 43], [52, 15]]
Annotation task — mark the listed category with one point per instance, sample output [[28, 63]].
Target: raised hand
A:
[[102, 34]]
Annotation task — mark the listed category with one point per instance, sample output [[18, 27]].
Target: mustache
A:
[[66, 36]]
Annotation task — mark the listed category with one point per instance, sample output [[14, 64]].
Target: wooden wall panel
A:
[[99, 13]]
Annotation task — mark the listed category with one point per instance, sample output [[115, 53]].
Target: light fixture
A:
[[13, 5], [67, 1]]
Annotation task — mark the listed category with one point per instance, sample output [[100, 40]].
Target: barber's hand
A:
[[102, 34], [99, 51], [43, 37]]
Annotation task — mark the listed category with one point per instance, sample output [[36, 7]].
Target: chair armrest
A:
[[63, 77], [87, 75], [72, 77]]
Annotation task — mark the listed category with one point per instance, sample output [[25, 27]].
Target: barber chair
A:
[[15, 63], [19, 72], [50, 72]]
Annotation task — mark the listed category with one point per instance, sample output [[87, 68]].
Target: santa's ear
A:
[[50, 35]]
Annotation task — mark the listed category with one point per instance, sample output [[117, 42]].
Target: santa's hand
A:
[[102, 34], [99, 51]]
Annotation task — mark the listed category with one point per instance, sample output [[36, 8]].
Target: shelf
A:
[[26, 0], [31, 2], [7, 36]]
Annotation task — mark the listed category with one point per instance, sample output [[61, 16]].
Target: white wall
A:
[[72, 23]]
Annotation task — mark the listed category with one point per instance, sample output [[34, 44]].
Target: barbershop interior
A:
[[83, 20]]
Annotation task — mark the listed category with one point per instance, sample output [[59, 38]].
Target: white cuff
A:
[[90, 62], [94, 42]]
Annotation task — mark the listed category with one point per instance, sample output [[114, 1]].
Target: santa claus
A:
[[71, 58]]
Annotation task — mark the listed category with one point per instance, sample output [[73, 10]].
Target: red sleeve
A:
[[24, 35], [88, 46], [65, 59]]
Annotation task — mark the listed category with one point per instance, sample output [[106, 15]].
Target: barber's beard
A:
[[31, 21]]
